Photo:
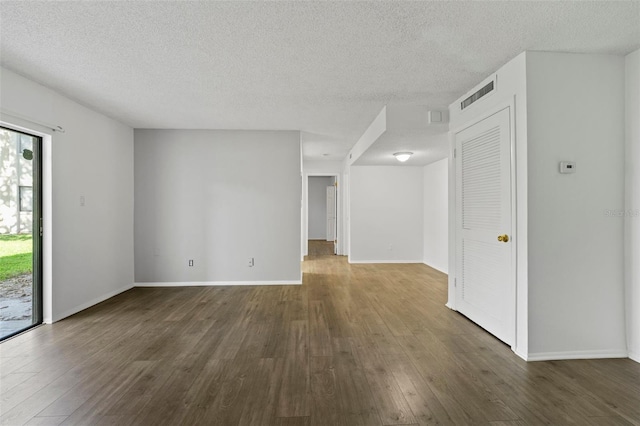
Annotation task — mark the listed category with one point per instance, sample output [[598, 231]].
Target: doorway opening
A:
[[20, 231], [322, 215]]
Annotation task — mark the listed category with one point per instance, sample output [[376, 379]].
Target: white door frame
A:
[[23, 125], [454, 216], [305, 201], [332, 213]]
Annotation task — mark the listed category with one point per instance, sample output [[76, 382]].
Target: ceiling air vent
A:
[[476, 96]]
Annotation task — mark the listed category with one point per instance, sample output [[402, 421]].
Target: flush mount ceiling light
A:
[[402, 156]]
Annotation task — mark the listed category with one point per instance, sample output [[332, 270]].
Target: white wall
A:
[[386, 214], [436, 215], [317, 204], [377, 127], [569, 252], [88, 249], [319, 168], [632, 207], [217, 197], [575, 106]]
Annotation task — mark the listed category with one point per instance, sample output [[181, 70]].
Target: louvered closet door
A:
[[485, 290]]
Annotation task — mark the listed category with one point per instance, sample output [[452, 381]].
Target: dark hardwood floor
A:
[[354, 345]]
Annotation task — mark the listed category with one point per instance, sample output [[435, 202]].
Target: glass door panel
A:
[[20, 232]]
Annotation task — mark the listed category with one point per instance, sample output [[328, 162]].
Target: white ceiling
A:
[[325, 68], [407, 129], [427, 145]]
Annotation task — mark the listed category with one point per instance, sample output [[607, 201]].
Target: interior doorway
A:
[[322, 214], [20, 231]]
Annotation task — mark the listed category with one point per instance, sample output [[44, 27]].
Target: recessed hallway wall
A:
[[318, 206]]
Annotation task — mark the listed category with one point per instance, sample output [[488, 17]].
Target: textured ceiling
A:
[[325, 68]]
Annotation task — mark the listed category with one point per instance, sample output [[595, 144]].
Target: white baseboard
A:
[[385, 261], [520, 354], [634, 356], [88, 304], [437, 269], [555, 356], [216, 283]]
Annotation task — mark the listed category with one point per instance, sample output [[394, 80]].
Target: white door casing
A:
[[485, 286], [331, 213]]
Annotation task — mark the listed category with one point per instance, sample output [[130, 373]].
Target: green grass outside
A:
[[15, 256]]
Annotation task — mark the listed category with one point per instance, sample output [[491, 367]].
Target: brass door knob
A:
[[503, 238]]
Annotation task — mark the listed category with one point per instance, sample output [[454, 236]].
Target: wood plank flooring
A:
[[354, 345], [320, 248]]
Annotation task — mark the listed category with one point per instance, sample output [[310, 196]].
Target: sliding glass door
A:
[[20, 232]]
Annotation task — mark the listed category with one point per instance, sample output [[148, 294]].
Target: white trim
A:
[[521, 355], [451, 207], [52, 127], [386, 261], [514, 221], [346, 207], [90, 303], [47, 231], [433, 267], [551, 356], [634, 356], [215, 283]]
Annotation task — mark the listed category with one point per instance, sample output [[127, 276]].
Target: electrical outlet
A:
[[190, 262], [390, 247], [567, 167], [251, 262]]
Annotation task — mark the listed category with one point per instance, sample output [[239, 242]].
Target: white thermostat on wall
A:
[[567, 167]]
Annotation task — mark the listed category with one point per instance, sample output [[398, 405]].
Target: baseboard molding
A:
[[433, 267], [88, 304], [385, 261], [634, 356], [215, 283], [556, 356], [520, 354]]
